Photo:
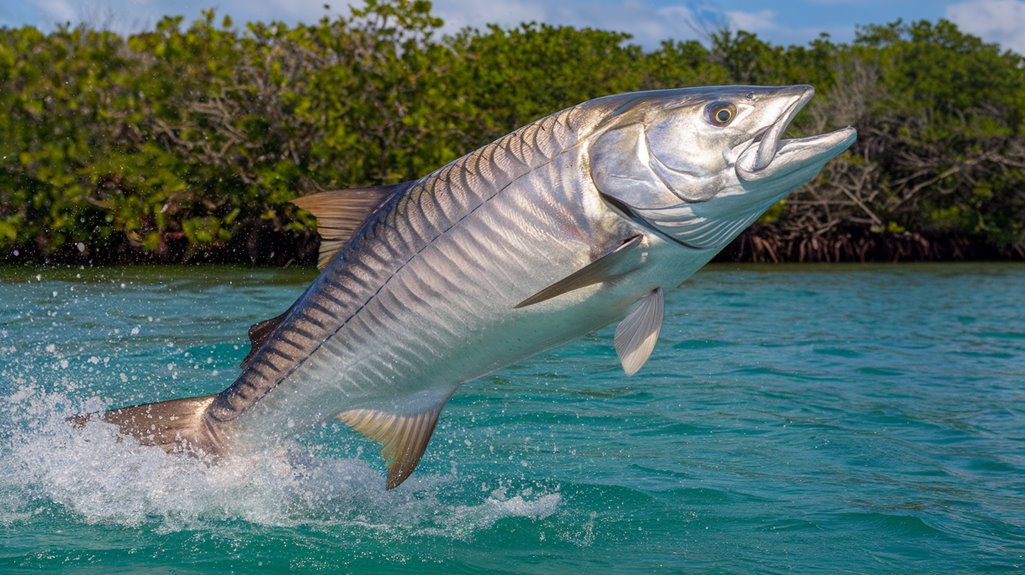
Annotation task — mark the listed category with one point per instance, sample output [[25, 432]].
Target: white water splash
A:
[[102, 478]]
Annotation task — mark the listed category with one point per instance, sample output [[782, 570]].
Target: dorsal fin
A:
[[615, 262], [259, 333], [403, 438], [637, 333], [340, 213]]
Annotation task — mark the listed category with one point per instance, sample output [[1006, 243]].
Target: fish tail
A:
[[175, 425]]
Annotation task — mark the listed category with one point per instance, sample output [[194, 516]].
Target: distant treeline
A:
[[186, 143]]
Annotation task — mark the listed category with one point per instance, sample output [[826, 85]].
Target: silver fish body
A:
[[424, 297], [618, 198]]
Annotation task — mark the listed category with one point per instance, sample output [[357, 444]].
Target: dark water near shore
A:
[[836, 419]]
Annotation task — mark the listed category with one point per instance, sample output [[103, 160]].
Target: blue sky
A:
[[783, 21]]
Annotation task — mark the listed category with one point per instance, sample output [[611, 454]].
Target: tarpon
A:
[[575, 221]]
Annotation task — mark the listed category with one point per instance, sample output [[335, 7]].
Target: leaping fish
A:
[[577, 220]]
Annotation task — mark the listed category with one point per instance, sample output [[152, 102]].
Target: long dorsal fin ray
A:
[[403, 438], [637, 333], [340, 213], [260, 332], [613, 263]]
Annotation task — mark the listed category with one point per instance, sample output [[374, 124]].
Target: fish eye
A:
[[721, 113]]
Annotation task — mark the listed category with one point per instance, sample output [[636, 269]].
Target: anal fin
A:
[[403, 438]]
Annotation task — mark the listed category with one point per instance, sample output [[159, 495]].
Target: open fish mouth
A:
[[768, 156], [769, 143]]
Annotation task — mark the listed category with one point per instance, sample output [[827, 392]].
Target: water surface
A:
[[792, 419]]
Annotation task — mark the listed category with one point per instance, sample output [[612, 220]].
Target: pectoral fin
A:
[[340, 213], [403, 438], [614, 263], [637, 333]]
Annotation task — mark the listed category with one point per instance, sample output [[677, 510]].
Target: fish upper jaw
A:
[[768, 142], [795, 160]]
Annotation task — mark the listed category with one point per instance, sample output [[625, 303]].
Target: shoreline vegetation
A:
[[185, 143]]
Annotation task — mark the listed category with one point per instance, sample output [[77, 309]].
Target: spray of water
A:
[[103, 478]]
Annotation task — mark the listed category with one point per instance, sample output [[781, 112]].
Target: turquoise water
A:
[[791, 420]]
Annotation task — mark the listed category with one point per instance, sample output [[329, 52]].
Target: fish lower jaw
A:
[[795, 155]]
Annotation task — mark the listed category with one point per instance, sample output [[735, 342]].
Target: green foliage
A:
[[512, 77], [195, 135]]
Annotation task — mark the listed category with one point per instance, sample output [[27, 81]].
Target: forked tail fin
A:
[[172, 425]]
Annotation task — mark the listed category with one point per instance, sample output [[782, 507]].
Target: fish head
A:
[[701, 164]]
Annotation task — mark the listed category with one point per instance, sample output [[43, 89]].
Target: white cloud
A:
[[133, 15], [290, 11], [760, 21], [118, 15], [57, 10], [459, 14], [1001, 21], [645, 20], [647, 23]]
